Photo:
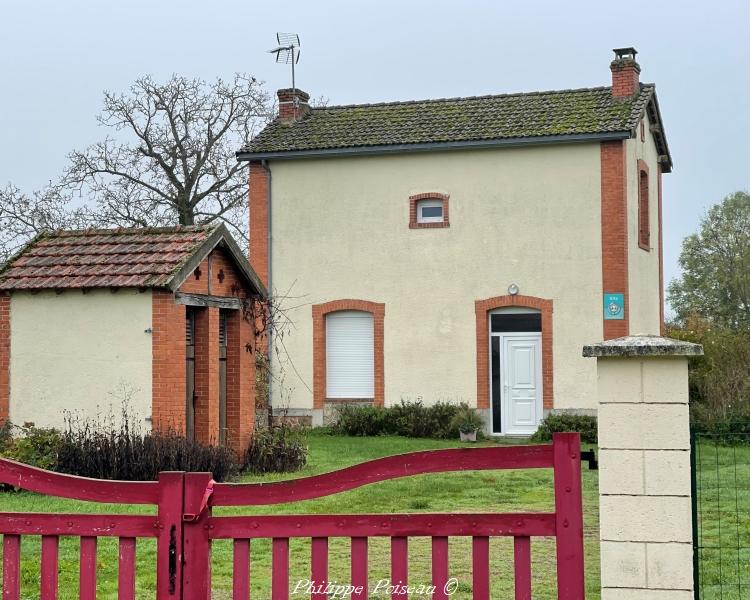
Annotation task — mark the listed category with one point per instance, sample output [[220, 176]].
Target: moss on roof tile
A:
[[537, 114]]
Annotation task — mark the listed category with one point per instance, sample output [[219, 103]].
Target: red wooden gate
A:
[[184, 526]]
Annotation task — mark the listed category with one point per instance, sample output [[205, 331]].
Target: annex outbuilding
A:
[[156, 321]]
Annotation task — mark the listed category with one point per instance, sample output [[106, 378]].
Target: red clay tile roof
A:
[[97, 258]]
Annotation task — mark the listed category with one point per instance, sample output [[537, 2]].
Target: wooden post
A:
[[169, 540], [568, 516], [196, 575]]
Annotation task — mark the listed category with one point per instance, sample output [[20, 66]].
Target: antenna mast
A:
[[287, 51]]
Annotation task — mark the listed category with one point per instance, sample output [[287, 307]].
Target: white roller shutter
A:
[[350, 355]]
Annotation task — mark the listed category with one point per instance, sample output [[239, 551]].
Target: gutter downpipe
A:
[[267, 167]]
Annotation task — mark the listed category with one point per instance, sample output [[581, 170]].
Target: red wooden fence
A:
[[184, 526]]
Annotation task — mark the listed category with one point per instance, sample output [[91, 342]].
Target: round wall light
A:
[[512, 289]]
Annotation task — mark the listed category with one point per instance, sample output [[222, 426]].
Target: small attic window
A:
[[428, 210]]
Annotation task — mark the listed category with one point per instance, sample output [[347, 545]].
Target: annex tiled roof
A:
[[100, 258], [482, 118]]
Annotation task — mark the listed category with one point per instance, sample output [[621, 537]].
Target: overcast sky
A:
[[56, 58]]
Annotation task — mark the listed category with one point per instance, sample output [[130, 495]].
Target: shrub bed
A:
[[134, 456], [409, 419], [103, 449], [280, 449], [566, 422]]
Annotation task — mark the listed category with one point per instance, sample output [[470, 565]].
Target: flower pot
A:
[[468, 436]]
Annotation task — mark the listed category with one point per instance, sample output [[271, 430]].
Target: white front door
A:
[[520, 388], [522, 370]]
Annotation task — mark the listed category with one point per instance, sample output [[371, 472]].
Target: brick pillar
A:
[[4, 358], [207, 375], [168, 369], [240, 382], [644, 473], [259, 180], [614, 218]]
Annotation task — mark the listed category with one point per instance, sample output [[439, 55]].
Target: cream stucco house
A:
[[459, 250]]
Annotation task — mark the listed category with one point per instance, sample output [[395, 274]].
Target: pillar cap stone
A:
[[643, 345]]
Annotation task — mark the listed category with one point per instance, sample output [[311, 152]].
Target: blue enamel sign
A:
[[614, 306]]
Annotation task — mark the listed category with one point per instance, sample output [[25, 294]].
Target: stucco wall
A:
[[529, 216], [643, 266], [79, 352]]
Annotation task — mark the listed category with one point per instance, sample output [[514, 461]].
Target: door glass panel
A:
[[516, 322], [496, 400]]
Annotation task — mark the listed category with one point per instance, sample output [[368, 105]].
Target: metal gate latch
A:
[[191, 517]]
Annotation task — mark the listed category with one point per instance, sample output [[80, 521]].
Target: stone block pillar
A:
[[644, 468]]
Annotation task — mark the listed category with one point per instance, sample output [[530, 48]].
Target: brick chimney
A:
[[293, 104], [625, 72]]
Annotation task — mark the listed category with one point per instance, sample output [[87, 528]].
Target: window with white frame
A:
[[430, 211]]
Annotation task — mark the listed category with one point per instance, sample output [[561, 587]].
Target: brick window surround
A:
[[413, 200], [482, 309], [644, 227], [319, 312]]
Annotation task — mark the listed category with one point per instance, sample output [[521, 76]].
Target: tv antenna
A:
[[287, 51]]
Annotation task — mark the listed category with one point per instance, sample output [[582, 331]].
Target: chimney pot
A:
[[625, 73], [293, 104]]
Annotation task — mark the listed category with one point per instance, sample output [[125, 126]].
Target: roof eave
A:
[[434, 146], [661, 137]]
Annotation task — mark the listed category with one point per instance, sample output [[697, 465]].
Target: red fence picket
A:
[[167, 494], [184, 526]]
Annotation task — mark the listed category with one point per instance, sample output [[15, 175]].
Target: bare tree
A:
[[22, 216], [171, 159]]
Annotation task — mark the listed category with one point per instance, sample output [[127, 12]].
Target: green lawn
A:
[[723, 503], [498, 491]]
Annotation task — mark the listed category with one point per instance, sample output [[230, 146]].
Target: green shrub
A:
[[363, 421], [725, 427], [408, 419], [720, 379], [279, 449], [6, 436], [565, 422], [35, 446]]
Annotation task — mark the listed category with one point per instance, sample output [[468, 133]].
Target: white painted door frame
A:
[[505, 414]]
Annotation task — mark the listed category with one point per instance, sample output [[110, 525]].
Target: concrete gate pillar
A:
[[644, 467]]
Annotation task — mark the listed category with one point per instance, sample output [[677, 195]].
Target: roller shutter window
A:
[[350, 355]]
